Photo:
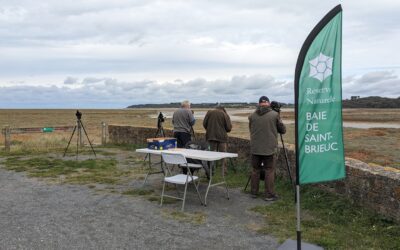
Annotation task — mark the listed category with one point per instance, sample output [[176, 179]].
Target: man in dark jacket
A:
[[264, 125], [217, 124]]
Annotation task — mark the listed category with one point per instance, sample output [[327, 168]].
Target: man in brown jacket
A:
[[264, 125], [217, 124]]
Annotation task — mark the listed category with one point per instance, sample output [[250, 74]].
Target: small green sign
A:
[[47, 130]]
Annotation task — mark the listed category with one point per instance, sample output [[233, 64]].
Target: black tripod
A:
[[78, 127], [160, 129], [192, 132]]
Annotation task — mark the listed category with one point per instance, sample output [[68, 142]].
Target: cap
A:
[[263, 99]]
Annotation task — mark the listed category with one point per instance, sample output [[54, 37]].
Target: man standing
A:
[[183, 120], [217, 124], [264, 125]]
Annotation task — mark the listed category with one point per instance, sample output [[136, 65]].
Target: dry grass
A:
[[189, 217], [370, 145], [353, 115], [371, 115]]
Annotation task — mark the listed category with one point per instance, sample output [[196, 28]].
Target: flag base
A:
[[292, 245]]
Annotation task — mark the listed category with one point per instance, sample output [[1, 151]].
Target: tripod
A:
[[78, 127], [160, 129], [287, 167], [192, 132]]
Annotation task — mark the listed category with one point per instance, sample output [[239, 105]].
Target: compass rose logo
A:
[[321, 67]]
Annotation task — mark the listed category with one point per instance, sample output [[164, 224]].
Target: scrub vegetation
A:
[[328, 220]]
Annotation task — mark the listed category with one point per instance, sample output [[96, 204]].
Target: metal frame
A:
[[183, 163]]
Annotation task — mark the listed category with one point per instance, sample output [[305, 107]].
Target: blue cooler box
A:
[[161, 143]]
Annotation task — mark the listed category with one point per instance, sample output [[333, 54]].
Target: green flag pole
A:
[[318, 117]]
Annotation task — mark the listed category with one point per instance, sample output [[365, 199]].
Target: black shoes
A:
[[271, 198]]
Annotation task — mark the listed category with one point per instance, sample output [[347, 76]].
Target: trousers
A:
[[263, 163], [219, 147]]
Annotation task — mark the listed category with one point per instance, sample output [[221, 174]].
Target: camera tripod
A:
[[78, 127], [287, 167], [192, 132], [160, 128]]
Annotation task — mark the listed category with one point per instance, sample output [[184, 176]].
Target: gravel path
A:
[[38, 215]]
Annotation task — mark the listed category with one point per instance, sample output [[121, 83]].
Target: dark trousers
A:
[[219, 147], [263, 163], [182, 138]]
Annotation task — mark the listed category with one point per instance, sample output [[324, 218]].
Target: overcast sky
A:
[[111, 54]]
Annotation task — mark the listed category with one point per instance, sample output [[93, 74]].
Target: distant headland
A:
[[353, 102]]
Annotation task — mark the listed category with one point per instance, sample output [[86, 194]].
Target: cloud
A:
[[103, 92], [377, 76], [99, 92], [220, 50], [92, 80], [376, 83], [71, 80]]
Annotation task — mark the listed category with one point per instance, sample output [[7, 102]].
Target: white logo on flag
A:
[[321, 67]]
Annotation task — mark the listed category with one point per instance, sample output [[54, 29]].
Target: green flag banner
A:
[[318, 103]]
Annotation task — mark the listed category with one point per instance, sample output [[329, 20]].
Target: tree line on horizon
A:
[[354, 102]]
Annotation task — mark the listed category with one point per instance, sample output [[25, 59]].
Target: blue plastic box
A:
[[161, 143]]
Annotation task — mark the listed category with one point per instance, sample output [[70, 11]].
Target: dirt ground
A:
[[36, 214]]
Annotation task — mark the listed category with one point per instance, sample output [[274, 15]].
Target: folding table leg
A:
[[148, 173], [162, 193], [197, 190], [226, 185], [248, 181], [232, 165], [184, 195], [208, 186]]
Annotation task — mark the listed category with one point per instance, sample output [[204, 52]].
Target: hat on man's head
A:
[[263, 99]]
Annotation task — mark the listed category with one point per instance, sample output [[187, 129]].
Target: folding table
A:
[[192, 154]]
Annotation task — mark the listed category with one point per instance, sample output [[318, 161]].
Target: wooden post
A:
[[103, 133], [7, 138]]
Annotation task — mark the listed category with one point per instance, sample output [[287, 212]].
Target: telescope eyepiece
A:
[[78, 115], [276, 106]]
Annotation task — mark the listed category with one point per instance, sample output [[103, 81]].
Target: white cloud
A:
[[94, 92], [377, 83], [147, 44], [70, 80]]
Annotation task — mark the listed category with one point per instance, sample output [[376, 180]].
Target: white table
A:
[[192, 154]]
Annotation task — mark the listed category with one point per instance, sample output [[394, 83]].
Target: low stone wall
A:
[[374, 187]]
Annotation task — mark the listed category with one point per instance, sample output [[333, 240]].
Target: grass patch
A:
[[105, 153], [103, 171], [328, 220], [194, 218], [123, 146], [237, 176], [149, 195], [138, 192], [166, 200]]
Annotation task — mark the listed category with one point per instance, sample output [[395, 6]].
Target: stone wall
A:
[[375, 187]]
